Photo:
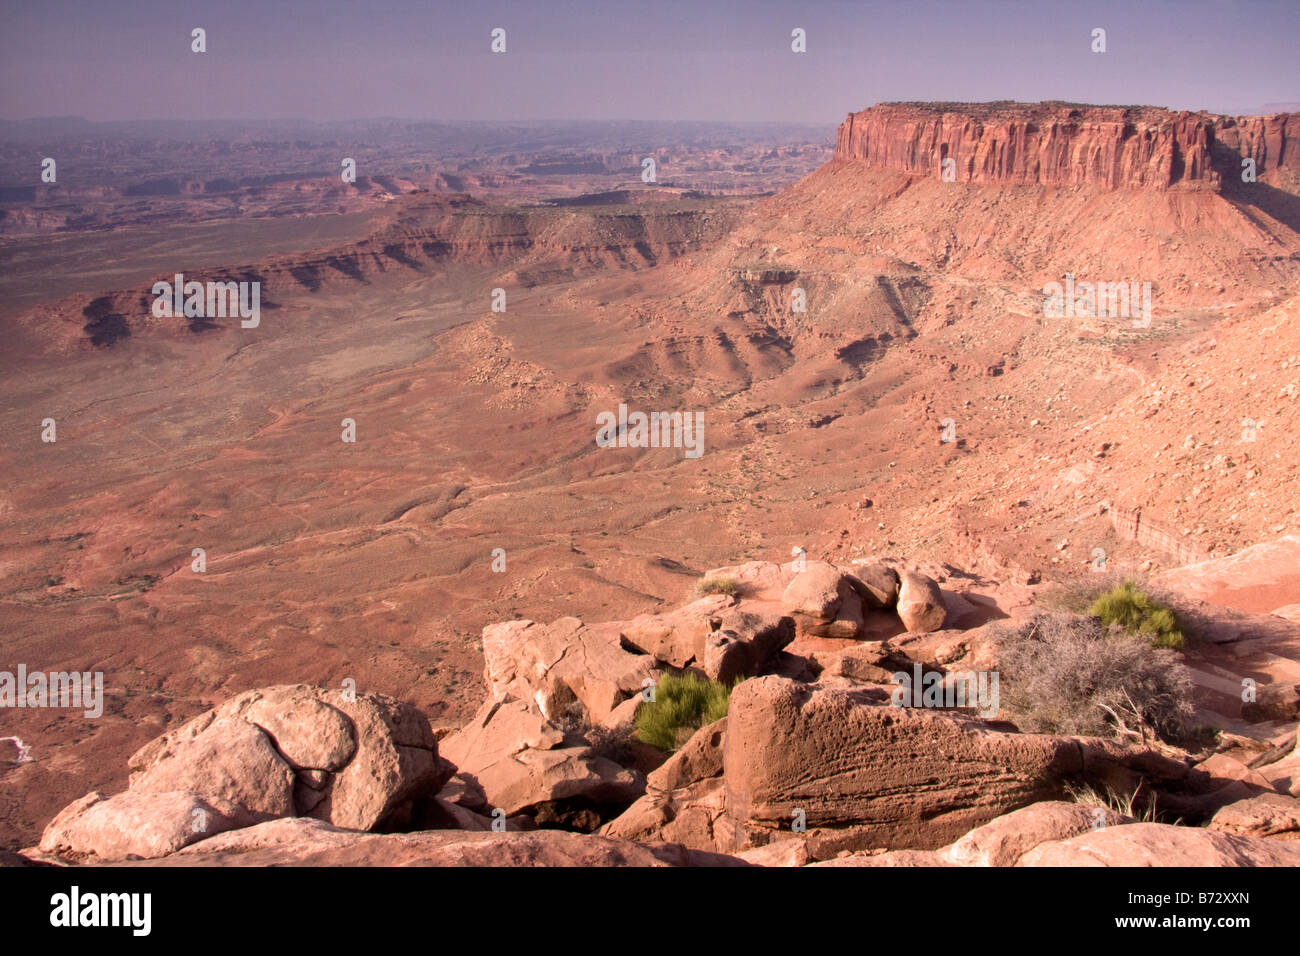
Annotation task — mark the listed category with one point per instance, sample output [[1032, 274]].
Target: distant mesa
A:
[[1070, 144]]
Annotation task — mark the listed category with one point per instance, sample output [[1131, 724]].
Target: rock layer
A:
[[1063, 144]]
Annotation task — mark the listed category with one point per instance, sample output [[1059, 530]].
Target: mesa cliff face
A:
[[1060, 144]]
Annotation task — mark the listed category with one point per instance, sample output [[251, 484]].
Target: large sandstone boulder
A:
[[743, 643], [226, 758], [823, 602], [396, 760], [875, 775], [816, 592], [877, 583], [293, 749], [557, 666], [521, 760], [1162, 845], [920, 602], [302, 842], [677, 637], [137, 824]]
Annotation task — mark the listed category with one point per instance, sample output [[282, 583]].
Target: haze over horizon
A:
[[669, 61]]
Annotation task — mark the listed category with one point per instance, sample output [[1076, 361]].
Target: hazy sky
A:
[[614, 59]]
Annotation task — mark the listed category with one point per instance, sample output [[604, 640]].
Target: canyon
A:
[[917, 406]]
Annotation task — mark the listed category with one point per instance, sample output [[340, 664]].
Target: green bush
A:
[[683, 704], [718, 584], [1132, 609]]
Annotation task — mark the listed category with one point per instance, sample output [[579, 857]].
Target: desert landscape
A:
[[921, 491]]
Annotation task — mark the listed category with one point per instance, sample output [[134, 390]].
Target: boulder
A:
[[284, 750], [1162, 845], [225, 758], [895, 777], [677, 637], [1279, 702], [791, 852], [920, 602], [816, 592], [876, 583], [1004, 840], [139, 824], [396, 760], [309, 733], [744, 643], [566, 663], [684, 798], [520, 760], [871, 663]]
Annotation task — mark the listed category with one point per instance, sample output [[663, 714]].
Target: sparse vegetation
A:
[[1067, 674], [1131, 608], [609, 742], [683, 704], [1132, 805], [716, 584], [1098, 592]]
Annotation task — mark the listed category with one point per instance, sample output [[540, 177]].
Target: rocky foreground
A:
[[813, 764]]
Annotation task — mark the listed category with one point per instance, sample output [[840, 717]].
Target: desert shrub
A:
[[612, 743], [717, 584], [1059, 672], [683, 704], [609, 742], [1134, 610]]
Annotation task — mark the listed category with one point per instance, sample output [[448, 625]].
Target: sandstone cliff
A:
[[1061, 144]]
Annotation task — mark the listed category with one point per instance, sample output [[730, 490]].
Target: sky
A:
[[616, 59]]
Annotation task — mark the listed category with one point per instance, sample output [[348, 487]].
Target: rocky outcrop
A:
[[521, 760], [1064, 144], [1162, 845], [294, 749], [563, 665], [868, 774], [685, 798], [1268, 815], [356, 762]]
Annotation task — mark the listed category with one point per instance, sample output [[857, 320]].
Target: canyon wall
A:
[[1060, 144]]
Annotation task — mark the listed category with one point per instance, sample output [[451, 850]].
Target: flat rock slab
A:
[[301, 842]]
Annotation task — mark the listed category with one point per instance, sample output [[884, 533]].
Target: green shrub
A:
[[718, 584], [683, 704], [1131, 608]]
